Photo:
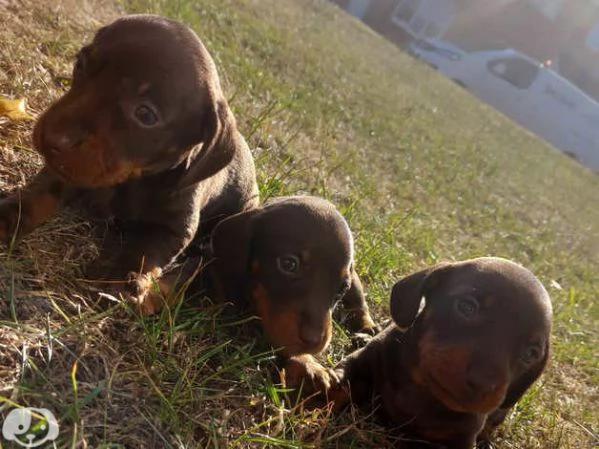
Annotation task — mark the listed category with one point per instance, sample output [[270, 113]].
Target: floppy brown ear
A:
[[230, 248], [407, 293], [219, 144]]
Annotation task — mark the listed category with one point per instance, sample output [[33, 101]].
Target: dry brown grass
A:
[[47, 326]]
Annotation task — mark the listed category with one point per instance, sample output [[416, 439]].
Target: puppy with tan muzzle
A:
[[468, 340], [144, 138], [292, 260]]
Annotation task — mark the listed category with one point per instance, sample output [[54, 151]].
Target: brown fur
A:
[[446, 376], [249, 251], [144, 138]]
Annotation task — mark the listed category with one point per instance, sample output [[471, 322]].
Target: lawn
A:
[[422, 171]]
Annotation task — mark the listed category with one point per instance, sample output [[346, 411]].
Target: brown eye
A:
[[530, 355], [288, 264], [145, 116], [467, 307]]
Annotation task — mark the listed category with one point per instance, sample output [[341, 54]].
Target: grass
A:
[[422, 171]]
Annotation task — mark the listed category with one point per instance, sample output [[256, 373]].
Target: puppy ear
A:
[[407, 293], [220, 141], [522, 384], [230, 250]]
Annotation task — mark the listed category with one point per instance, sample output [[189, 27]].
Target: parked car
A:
[[440, 55], [524, 89]]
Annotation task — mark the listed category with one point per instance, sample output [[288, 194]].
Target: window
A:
[[417, 25], [518, 72], [424, 18], [406, 10], [433, 30], [592, 40]]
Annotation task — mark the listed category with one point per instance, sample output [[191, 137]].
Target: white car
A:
[[525, 90], [441, 55]]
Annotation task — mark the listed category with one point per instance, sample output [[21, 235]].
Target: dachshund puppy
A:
[[468, 340], [291, 260], [144, 138]]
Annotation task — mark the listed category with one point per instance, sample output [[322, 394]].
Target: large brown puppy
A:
[[292, 260], [145, 137], [447, 376]]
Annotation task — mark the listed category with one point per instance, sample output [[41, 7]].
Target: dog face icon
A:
[[30, 427]]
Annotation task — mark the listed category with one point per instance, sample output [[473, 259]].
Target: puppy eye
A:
[[288, 264], [467, 307], [530, 355], [146, 116]]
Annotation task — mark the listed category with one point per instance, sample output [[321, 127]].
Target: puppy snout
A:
[[479, 386], [60, 139], [63, 127], [311, 335], [482, 381]]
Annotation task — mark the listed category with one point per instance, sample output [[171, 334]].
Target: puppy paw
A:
[[145, 292], [360, 322], [359, 340], [307, 373], [339, 396]]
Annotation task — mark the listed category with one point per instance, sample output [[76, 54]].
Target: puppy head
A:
[[145, 97], [295, 255], [482, 337]]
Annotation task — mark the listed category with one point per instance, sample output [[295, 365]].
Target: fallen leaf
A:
[[14, 109]]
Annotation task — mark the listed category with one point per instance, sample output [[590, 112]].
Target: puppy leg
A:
[[358, 317], [31, 206], [141, 262], [155, 290], [336, 386], [306, 372], [355, 379], [483, 440]]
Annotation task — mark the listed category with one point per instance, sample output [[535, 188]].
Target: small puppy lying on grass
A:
[[291, 260], [143, 138], [447, 375]]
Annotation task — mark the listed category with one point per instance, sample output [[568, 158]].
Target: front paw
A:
[[359, 340], [307, 373], [360, 322], [145, 292]]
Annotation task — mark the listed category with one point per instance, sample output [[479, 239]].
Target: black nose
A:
[[483, 380], [58, 139], [62, 127], [311, 335]]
